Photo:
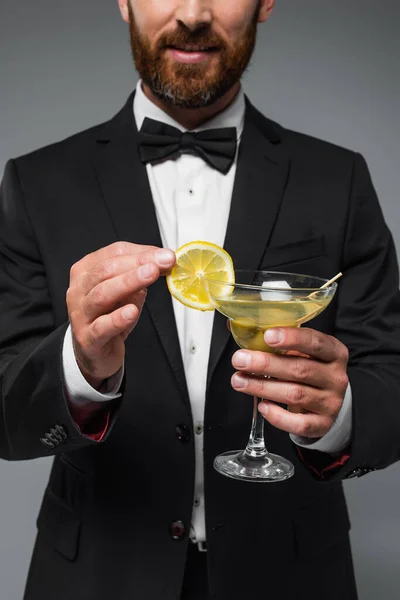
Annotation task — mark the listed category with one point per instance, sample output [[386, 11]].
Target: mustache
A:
[[202, 37]]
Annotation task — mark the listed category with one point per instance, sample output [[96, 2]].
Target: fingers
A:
[[107, 294], [89, 261], [113, 266], [104, 301], [111, 281], [313, 388], [107, 327], [121, 322], [115, 250], [289, 368], [294, 395], [318, 345], [304, 425]]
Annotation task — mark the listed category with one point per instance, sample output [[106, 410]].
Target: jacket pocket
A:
[[59, 525], [302, 250], [321, 525]]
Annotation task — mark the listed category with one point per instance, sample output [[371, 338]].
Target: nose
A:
[[194, 14]]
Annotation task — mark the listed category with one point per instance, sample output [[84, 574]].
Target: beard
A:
[[191, 85]]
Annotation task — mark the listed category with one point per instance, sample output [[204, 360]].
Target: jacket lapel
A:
[[261, 177], [125, 187]]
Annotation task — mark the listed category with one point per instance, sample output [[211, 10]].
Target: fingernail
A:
[[146, 271], [127, 312], [273, 336], [263, 408], [241, 360], [164, 258], [239, 382]]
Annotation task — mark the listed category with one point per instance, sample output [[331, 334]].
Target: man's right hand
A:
[[105, 298]]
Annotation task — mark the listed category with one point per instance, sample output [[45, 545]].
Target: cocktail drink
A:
[[257, 301], [204, 278], [250, 318]]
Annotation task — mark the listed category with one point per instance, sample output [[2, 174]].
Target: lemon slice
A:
[[194, 260]]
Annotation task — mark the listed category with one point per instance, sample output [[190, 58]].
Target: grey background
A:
[[326, 68]]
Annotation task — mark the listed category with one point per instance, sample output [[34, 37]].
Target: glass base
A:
[[265, 469]]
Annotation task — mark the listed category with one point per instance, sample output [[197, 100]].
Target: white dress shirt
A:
[[184, 192]]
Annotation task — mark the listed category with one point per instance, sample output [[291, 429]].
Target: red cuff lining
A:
[[340, 462], [89, 416], [97, 437]]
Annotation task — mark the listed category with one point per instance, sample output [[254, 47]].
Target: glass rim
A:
[[247, 286]]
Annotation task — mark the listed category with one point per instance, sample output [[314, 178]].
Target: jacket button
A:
[[359, 472], [177, 530], [182, 433], [61, 431], [355, 473], [46, 442]]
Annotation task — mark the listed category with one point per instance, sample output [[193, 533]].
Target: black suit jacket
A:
[[299, 205]]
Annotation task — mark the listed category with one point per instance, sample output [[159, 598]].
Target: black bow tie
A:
[[158, 140]]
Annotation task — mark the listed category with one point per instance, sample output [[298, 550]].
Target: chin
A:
[[182, 91], [173, 98]]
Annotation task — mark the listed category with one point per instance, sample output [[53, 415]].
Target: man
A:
[[127, 388]]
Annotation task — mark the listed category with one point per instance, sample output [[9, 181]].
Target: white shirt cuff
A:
[[338, 437], [80, 392]]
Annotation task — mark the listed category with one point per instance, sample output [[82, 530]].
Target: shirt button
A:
[[199, 428], [191, 192], [197, 502], [177, 530], [193, 349]]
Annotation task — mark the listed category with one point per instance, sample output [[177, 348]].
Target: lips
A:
[[193, 48], [191, 54]]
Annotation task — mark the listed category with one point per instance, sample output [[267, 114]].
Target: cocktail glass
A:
[[257, 301]]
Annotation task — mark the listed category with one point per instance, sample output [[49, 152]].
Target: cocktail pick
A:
[[327, 284]]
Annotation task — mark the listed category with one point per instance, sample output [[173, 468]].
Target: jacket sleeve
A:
[[368, 323], [35, 419]]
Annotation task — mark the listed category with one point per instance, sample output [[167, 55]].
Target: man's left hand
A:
[[311, 379]]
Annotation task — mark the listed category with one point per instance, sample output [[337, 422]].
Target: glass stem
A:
[[256, 445]]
